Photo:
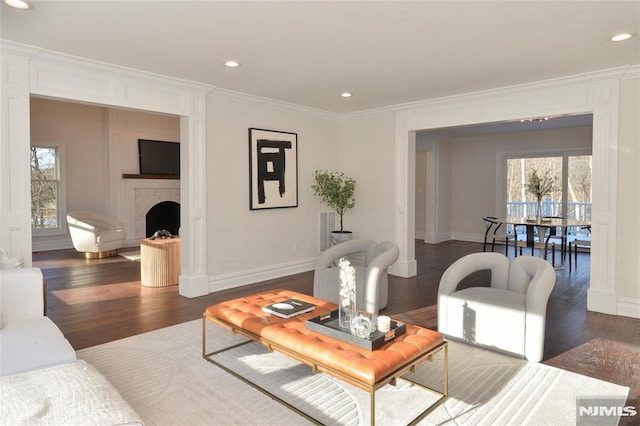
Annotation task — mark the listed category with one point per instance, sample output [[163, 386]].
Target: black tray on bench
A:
[[327, 324]]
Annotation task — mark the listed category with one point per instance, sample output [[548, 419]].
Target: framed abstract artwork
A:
[[273, 169]]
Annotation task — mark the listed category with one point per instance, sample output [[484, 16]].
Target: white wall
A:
[[263, 252], [86, 134], [127, 126], [474, 166], [628, 260], [421, 194], [248, 245], [81, 131], [366, 153]]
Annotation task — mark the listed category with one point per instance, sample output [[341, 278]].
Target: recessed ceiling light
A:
[[345, 94], [18, 4], [232, 64], [621, 37]]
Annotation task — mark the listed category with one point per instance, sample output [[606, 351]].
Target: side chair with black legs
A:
[[537, 237], [493, 233], [559, 233], [583, 243]]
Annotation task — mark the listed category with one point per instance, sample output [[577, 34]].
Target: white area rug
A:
[[164, 377]]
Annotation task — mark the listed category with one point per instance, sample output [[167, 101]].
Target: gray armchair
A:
[[370, 260]]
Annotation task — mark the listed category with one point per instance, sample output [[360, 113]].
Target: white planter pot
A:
[[338, 237]]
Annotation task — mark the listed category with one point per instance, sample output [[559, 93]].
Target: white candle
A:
[[384, 324]]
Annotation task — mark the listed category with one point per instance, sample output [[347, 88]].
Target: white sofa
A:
[[28, 339], [510, 315], [95, 235], [41, 381]]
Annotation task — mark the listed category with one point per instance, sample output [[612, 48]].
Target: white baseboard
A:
[[432, 238], [252, 276], [193, 286], [472, 238], [404, 269], [602, 301], [628, 307], [50, 243]]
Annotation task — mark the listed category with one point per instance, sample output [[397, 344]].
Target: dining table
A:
[[541, 226]]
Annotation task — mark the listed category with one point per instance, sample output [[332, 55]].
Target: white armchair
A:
[[95, 235], [372, 284], [510, 315], [28, 339]]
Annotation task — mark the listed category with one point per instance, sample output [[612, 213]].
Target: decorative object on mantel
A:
[[162, 234], [539, 186], [336, 191], [273, 169], [347, 300]]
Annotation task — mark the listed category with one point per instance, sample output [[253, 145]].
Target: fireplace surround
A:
[[142, 195]]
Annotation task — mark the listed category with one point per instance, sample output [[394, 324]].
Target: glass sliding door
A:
[[579, 191], [521, 203], [571, 197]]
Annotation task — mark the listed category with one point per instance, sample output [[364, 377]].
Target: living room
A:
[[227, 245]]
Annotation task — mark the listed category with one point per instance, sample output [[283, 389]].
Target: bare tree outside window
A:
[[45, 185], [576, 181], [518, 171]]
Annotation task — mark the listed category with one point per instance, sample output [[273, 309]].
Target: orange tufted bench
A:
[[368, 370]]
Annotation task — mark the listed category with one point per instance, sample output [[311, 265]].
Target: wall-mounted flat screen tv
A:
[[159, 157]]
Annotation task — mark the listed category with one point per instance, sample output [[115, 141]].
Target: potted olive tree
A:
[[336, 191]]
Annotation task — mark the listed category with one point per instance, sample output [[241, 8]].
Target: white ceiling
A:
[[308, 52]]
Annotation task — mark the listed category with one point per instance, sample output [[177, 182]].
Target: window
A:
[[45, 189], [571, 197]]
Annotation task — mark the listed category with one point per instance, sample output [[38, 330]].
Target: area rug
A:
[[164, 377]]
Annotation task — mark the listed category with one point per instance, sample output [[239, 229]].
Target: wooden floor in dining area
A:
[[94, 301]]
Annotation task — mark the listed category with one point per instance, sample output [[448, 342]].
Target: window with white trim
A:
[[571, 197], [46, 190]]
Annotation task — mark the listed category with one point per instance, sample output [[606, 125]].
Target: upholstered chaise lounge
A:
[[94, 235]]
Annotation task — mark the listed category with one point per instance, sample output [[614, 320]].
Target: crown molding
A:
[[246, 97], [58, 58], [577, 79], [356, 115], [33, 52], [632, 72], [18, 49]]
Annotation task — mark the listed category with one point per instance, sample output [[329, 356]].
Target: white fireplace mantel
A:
[[139, 196]]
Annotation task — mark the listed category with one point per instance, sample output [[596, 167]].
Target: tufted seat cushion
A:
[[367, 367]]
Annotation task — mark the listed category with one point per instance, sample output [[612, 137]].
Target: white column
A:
[[15, 188]]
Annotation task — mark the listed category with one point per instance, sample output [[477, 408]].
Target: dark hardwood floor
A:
[[100, 300]]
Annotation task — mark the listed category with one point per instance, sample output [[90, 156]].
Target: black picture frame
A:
[[273, 169]]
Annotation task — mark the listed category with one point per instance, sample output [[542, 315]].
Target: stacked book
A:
[[288, 308]]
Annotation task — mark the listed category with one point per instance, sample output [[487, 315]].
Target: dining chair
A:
[[492, 233], [559, 233], [538, 237], [583, 243]]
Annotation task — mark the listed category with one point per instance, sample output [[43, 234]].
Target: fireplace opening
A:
[[164, 215]]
